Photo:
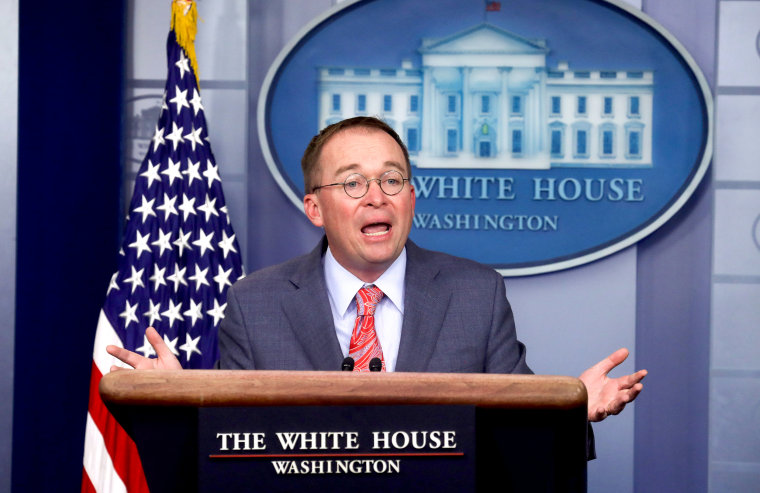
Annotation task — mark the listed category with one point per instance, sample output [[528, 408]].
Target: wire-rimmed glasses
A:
[[356, 185]]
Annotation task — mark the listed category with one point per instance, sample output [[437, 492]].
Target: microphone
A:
[[375, 364], [348, 364]]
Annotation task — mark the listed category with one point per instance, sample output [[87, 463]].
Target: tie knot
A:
[[367, 299]]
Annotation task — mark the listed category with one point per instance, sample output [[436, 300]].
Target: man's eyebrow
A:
[[393, 164], [348, 167], [355, 166]]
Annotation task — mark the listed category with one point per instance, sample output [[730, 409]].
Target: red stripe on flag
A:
[[87, 486], [121, 448]]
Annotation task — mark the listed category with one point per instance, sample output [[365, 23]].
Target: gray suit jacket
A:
[[456, 318]]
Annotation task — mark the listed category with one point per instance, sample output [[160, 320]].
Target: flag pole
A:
[[184, 23]]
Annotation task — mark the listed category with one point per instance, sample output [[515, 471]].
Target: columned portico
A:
[[489, 101]]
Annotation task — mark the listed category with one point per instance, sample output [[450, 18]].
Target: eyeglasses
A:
[[357, 185]]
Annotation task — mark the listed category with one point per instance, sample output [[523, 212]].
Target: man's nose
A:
[[375, 193]]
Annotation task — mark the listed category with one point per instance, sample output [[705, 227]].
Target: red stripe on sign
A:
[[300, 456]]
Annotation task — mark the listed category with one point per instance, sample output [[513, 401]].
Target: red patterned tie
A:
[[364, 342]]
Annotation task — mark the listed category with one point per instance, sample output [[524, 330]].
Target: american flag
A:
[[177, 260], [493, 6]]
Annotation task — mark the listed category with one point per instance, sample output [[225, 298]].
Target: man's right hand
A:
[[165, 360]]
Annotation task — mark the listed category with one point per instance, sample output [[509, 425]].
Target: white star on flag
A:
[[227, 244], [208, 207], [223, 278], [112, 284], [204, 241], [158, 138], [136, 279], [151, 174], [182, 64], [163, 242], [172, 171], [182, 242], [190, 346], [194, 312], [192, 172], [194, 137], [196, 102], [158, 276], [224, 210], [153, 313], [199, 277], [211, 173], [176, 135], [217, 312], [187, 206], [173, 314], [129, 314], [140, 243], [146, 208], [172, 343], [167, 206], [180, 99], [178, 277]]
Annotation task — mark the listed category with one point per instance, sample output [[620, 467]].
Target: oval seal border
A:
[[579, 258]]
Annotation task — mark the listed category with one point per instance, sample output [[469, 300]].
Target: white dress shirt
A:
[[342, 287]]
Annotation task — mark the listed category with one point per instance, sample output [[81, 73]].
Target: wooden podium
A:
[[219, 430]]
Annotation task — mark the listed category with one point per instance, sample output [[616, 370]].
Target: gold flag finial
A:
[[184, 19]]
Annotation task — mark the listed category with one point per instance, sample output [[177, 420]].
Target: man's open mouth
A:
[[376, 229]]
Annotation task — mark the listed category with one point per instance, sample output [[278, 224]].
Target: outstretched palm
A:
[[610, 395]]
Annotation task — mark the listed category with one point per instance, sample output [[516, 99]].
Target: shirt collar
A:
[[342, 285]]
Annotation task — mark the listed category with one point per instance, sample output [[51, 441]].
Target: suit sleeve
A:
[[505, 354], [234, 346]]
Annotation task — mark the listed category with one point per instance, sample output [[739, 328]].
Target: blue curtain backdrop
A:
[[70, 80]]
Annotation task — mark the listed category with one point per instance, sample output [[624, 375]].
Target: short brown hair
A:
[[310, 159]]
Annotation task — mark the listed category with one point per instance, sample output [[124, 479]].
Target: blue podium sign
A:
[[331, 448], [543, 134]]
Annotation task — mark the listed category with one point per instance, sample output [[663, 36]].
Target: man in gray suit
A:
[[435, 313], [456, 318]]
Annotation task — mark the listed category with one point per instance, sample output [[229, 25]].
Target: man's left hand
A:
[[610, 395]]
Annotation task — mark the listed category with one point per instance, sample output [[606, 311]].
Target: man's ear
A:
[[312, 209]]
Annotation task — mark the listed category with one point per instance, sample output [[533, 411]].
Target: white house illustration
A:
[[484, 98]]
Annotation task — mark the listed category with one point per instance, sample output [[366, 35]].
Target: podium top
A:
[[213, 388]]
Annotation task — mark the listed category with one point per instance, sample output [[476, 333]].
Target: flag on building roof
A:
[[493, 6], [179, 256]]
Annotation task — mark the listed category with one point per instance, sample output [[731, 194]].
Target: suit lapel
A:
[[425, 306], [307, 308]]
